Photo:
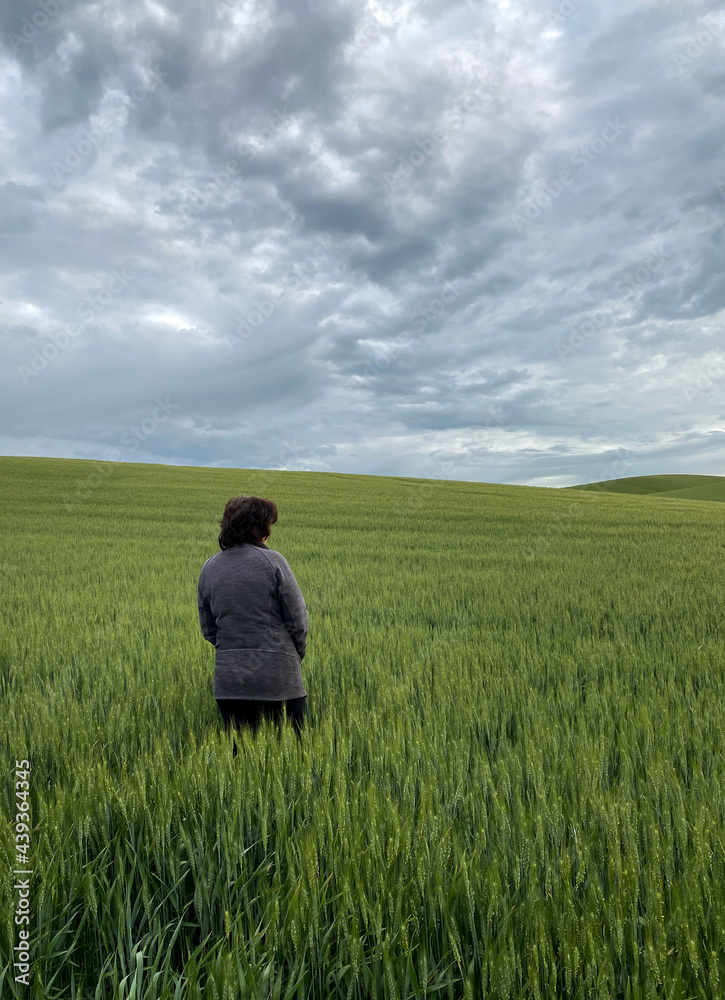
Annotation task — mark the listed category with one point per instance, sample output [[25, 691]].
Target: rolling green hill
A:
[[675, 487], [510, 783]]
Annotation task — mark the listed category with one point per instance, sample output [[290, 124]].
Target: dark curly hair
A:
[[246, 519]]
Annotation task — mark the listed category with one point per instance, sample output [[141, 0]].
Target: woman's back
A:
[[251, 609]]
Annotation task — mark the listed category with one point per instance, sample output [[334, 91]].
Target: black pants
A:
[[245, 712]]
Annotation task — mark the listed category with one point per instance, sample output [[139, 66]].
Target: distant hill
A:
[[675, 487]]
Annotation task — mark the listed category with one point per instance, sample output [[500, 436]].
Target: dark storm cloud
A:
[[475, 241]]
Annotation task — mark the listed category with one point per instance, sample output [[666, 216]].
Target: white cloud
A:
[[363, 360]]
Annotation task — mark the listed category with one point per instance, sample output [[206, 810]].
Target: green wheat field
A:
[[511, 783]]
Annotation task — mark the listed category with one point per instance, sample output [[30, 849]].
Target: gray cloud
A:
[[434, 240]]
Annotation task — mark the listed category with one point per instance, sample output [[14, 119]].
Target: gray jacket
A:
[[252, 611]]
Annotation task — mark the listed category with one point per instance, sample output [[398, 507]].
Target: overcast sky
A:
[[438, 239]]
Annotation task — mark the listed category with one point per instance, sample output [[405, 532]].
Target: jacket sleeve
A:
[[292, 605], [207, 621]]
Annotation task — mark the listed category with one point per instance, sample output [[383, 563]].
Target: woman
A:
[[252, 611]]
